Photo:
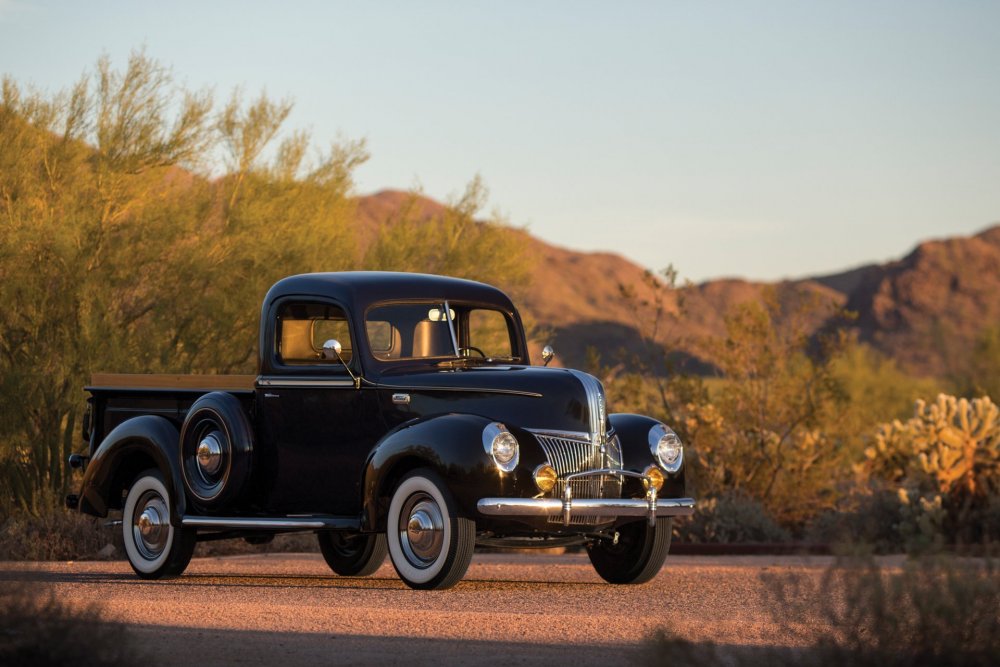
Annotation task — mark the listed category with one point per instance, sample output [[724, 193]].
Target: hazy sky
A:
[[760, 139]]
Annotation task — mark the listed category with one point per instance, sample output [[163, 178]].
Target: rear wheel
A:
[[638, 554], [429, 545], [155, 548], [353, 555]]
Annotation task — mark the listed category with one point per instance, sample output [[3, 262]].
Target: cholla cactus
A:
[[951, 446]]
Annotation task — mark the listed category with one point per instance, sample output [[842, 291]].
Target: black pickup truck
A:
[[392, 412]]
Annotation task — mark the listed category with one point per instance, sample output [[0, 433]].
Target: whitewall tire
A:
[[429, 545], [154, 547]]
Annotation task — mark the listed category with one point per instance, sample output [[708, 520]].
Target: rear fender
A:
[[452, 446], [135, 445]]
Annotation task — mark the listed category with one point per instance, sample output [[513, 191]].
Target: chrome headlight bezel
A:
[[502, 446], [666, 448]]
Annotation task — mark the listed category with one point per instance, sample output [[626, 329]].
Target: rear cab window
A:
[[303, 328]]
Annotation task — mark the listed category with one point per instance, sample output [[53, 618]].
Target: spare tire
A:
[[216, 445]]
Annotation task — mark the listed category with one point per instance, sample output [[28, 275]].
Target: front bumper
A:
[[597, 507], [568, 507]]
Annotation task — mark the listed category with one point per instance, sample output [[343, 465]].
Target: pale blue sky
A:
[[762, 140]]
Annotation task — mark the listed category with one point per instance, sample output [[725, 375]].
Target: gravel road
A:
[[288, 609]]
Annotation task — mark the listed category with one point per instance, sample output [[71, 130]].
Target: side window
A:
[[302, 328]]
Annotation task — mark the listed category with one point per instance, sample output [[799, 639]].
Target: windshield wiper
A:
[[476, 361]]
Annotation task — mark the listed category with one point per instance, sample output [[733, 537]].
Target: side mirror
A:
[[332, 349], [547, 354]]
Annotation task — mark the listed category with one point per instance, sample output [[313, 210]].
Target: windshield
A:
[[440, 330]]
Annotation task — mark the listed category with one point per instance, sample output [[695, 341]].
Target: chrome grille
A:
[[570, 453]]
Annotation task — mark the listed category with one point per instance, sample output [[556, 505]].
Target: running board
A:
[[276, 523]]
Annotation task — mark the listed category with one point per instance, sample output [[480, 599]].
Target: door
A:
[[319, 426]]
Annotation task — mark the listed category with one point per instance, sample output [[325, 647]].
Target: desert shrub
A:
[[946, 456], [887, 521], [52, 532], [870, 518], [731, 517], [932, 612], [38, 629]]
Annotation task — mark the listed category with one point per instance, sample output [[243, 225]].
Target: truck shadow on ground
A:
[[277, 581]]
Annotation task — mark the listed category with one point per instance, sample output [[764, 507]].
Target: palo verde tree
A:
[[119, 251]]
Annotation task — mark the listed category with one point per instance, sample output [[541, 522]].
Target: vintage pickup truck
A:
[[392, 412]]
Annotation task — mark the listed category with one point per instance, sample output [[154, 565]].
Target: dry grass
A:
[[56, 533]]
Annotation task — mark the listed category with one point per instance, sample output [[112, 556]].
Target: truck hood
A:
[[522, 396]]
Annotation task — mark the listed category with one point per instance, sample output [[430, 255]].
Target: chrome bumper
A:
[[567, 506], [604, 507]]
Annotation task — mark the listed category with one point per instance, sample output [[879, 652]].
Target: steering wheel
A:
[[472, 349]]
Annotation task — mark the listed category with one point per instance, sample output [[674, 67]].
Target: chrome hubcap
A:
[[209, 455], [150, 525], [421, 530]]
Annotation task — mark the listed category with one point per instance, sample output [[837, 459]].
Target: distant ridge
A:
[[922, 310]]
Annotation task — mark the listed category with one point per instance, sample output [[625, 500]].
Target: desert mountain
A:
[[922, 310], [927, 309]]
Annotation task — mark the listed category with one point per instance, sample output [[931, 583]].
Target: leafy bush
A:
[[731, 517]]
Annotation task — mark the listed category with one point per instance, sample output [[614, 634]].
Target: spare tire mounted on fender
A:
[[216, 445]]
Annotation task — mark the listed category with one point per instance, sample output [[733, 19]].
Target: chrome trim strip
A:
[[474, 390], [291, 382], [451, 328], [301, 523], [596, 409], [585, 506]]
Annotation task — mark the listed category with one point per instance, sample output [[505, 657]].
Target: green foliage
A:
[[774, 396], [980, 375], [872, 390]]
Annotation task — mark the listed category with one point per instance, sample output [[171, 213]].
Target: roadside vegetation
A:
[[934, 611], [142, 222], [815, 438]]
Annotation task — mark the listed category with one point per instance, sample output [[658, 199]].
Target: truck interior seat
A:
[[430, 339]]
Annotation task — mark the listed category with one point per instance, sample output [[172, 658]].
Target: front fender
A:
[[133, 446], [449, 444], [633, 433]]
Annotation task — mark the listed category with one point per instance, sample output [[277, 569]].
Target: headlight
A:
[[666, 448], [501, 445]]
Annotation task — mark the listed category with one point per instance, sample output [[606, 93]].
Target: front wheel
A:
[[638, 554], [429, 545], [155, 547], [353, 555]]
